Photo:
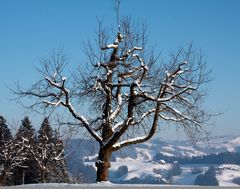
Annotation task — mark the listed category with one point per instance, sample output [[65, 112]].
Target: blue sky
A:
[[30, 29]]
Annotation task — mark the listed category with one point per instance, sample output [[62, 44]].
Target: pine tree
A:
[[50, 155], [26, 173], [5, 133], [60, 168], [11, 153], [45, 133], [5, 137], [26, 130], [43, 152]]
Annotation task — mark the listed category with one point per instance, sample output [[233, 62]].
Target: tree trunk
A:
[[103, 163], [23, 177], [4, 174], [43, 176], [3, 177]]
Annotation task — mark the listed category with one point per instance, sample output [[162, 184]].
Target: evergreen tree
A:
[[26, 130], [60, 168], [43, 152], [26, 173], [12, 153], [5, 133], [45, 133], [5, 137], [50, 155]]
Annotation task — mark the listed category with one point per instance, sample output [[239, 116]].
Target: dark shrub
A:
[[207, 179], [175, 170], [157, 171], [236, 180], [121, 171], [149, 179]]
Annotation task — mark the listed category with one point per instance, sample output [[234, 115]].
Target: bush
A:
[[149, 179], [236, 180], [175, 170], [157, 171], [134, 180], [207, 179], [121, 171], [211, 171]]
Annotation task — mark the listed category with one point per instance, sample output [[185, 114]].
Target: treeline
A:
[[31, 156], [220, 158]]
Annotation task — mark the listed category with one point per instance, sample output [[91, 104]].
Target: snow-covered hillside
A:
[[224, 174], [142, 170], [139, 165], [186, 148], [88, 149]]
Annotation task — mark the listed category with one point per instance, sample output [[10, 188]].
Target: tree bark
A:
[[43, 176], [4, 174], [103, 163], [3, 177]]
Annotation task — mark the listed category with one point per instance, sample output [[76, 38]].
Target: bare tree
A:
[[126, 91]]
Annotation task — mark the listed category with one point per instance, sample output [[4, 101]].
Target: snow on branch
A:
[[144, 115], [128, 52], [119, 130], [55, 104], [118, 108], [129, 141], [66, 103], [118, 39], [167, 99], [83, 121], [179, 116], [171, 118], [117, 126]]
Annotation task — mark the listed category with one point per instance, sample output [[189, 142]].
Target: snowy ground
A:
[[104, 185], [225, 174]]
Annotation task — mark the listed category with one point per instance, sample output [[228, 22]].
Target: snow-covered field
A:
[[140, 169], [102, 186]]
